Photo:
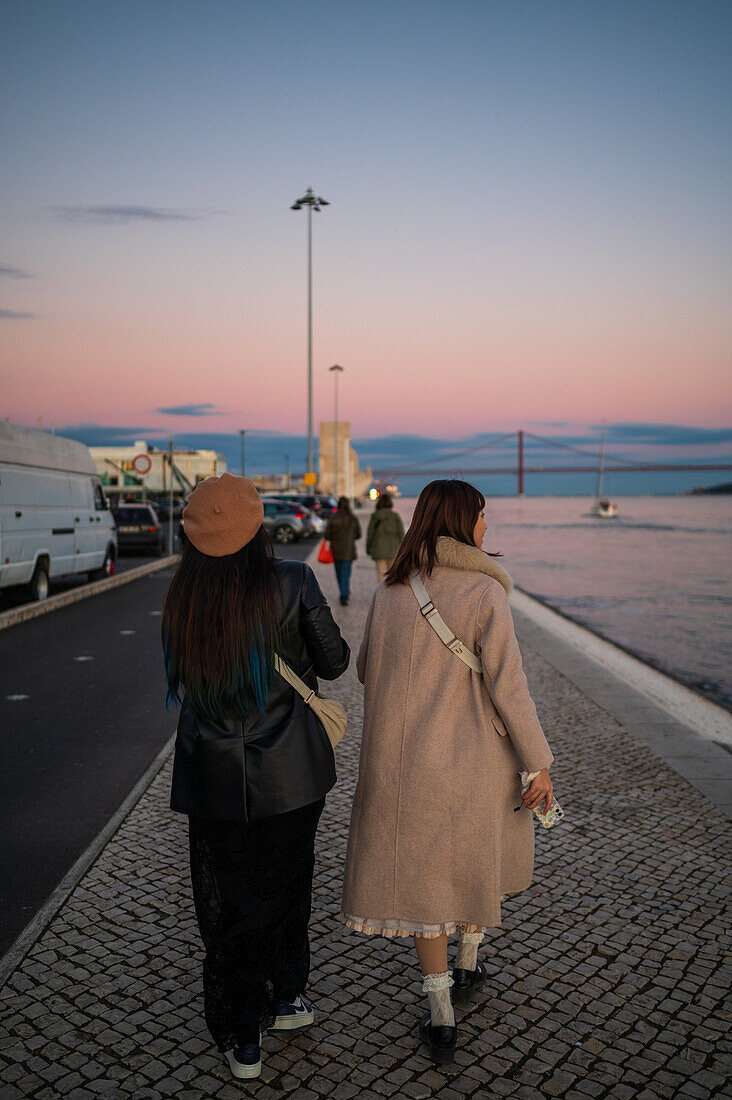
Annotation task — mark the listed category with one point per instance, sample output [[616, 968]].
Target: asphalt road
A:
[[82, 716], [17, 596]]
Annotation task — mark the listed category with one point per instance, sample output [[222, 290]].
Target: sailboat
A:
[[602, 506]]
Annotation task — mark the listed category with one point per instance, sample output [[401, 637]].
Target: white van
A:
[[54, 517]]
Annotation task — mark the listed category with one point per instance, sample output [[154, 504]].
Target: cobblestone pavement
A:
[[606, 979]]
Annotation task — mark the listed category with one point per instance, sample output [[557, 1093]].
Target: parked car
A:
[[139, 528], [54, 517], [312, 522], [321, 503], [284, 520], [162, 507]]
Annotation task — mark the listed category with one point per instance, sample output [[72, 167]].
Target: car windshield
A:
[[134, 515]]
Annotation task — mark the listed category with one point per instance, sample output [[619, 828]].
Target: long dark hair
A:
[[220, 629], [445, 507]]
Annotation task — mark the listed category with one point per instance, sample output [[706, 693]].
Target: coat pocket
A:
[[498, 725]]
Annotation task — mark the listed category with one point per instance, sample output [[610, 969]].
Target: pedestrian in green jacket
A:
[[342, 531], [384, 535]]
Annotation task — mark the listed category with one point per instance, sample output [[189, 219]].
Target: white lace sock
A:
[[468, 944], [437, 988]]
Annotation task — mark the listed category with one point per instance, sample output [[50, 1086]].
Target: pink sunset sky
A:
[[528, 220]]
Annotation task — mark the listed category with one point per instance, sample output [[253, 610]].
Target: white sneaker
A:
[[245, 1061], [292, 1016]]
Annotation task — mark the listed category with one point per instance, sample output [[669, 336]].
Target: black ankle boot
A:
[[441, 1039], [467, 983]]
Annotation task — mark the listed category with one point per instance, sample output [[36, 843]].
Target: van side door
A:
[[84, 516]]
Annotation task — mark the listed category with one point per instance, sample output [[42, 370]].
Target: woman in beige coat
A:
[[435, 839]]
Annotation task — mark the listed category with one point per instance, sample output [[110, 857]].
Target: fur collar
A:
[[469, 559]]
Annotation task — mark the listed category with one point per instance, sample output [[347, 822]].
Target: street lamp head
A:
[[310, 199], [335, 367]]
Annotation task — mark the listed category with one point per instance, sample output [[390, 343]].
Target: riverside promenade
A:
[[606, 980]]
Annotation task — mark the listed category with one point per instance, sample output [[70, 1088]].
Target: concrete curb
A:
[[690, 734], [36, 926], [63, 599], [704, 717]]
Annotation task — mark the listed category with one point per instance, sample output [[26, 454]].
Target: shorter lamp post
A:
[[242, 450], [335, 371]]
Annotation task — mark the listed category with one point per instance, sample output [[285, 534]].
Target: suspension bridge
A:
[[525, 463]]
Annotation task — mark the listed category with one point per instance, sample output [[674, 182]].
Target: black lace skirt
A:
[[252, 886]]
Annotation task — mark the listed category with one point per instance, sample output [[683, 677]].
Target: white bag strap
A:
[[293, 679], [440, 627]]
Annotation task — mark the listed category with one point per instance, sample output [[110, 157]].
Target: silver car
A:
[[284, 520]]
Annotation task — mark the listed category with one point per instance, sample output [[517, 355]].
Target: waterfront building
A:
[[352, 481], [139, 470]]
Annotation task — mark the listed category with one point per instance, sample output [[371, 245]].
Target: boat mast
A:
[[602, 462]]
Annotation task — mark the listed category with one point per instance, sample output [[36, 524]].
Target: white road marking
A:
[[83, 658], [127, 632], [16, 698], [156, 612]]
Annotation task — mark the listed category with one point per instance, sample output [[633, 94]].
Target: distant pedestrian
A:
[[343, 531], [252, 762], [434, 842], [384, 534]]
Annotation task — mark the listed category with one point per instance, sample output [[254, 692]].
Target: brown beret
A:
[[223, 514]]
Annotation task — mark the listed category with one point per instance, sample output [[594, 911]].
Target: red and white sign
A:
[[142, 464]]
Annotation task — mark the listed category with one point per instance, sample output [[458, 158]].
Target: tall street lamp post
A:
[[335, 370], [171, 467], [242, 452], [312, 202]]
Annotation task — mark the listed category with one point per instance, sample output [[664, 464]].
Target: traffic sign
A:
[[142, 463], [311, 479]]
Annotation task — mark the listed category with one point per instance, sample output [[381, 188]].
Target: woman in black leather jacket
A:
[[252, 763]]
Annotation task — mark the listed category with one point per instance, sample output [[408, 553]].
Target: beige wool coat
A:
[[434, 839]]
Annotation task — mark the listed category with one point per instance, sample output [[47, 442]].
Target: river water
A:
[[657, 579]]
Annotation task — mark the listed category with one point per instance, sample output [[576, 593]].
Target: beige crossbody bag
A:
[[330, 714]]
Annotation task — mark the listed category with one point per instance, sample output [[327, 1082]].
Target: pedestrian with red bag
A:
[[342, 532]]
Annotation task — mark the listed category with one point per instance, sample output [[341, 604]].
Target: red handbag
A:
[[325, 554]]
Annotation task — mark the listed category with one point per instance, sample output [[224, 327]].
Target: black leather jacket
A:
[[267, 763]]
